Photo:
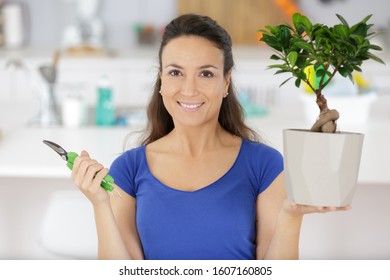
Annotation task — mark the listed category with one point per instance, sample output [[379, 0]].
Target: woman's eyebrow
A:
[[174, 66], [208, 66], [201, 67]]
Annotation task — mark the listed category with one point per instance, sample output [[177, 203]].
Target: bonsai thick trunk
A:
[[326, 121]]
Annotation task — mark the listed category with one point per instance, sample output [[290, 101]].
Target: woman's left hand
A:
[[298, 209]]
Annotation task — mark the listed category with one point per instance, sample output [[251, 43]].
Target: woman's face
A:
[[192, 81]]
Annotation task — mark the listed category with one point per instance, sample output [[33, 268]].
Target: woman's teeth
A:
[[190, 106]]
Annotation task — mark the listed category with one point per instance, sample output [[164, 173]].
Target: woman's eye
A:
[[174, 72], [207, 74]]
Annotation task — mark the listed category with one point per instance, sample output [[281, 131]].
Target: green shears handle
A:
[[107, 180]]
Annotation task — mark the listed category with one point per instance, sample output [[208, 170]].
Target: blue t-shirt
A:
[[214, 222]]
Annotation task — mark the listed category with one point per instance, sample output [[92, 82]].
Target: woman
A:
[[201, 185]]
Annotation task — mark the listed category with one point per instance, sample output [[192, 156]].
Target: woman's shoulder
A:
[[257, 153], [263, 161], [134, 151], [130, 155], [128, 163], [255, 148]]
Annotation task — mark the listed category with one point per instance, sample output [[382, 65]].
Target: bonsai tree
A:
[[304, 47]]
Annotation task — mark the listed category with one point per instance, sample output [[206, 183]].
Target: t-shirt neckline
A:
[[204, 188]]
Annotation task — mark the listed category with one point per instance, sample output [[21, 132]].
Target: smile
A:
[[193, 106]]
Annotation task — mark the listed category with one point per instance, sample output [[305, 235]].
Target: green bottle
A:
[[105, 108]]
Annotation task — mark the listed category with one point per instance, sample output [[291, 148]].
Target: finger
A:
[[80, 171], [307, 209], [76, 164], [90, 175], [83, 155], [344, 208], [334, 208], [328, 209], [99, 176]]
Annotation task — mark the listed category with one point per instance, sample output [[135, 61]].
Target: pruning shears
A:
[[71, 156]]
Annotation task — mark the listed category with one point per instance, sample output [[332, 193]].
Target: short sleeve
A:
[[269, 164], [122, 172]]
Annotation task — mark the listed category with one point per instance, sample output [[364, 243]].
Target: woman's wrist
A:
[[102, 204]]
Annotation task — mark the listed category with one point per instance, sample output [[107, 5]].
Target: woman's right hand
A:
[[87, 174]]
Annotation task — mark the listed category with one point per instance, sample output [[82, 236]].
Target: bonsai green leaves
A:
[[305, 46]]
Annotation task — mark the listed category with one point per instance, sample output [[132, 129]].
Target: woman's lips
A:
[[190, 107]]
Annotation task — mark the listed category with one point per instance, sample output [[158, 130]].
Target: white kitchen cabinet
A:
[[132, 79], [138, 81], [82, 76]]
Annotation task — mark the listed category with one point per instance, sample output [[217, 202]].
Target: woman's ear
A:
[[227, 79]]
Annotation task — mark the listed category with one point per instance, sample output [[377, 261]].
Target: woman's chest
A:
[[190, 174], [214, 218]]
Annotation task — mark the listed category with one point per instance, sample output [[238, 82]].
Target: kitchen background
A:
[[47, 19], [58, 56]]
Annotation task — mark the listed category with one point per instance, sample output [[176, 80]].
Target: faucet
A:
[[49, 114]]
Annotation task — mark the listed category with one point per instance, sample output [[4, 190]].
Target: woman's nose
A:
[[189, 87]]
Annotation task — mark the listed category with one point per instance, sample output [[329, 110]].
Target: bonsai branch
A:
[[322, 84], [326, 121]]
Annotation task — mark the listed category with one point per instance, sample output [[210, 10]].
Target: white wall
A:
[[352, 10], [362, 233]]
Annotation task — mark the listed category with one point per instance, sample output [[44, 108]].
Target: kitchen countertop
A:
[[23, 155]]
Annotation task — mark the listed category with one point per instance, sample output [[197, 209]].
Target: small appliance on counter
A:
[[84, 36], [13, 24]]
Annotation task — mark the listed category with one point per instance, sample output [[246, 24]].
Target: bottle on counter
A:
[[74, 109], [105, 109]]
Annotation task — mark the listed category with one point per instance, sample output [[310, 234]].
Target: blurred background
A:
[[80, 72], [46, 23], [84, 44]]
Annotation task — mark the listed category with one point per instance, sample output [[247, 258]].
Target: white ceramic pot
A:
[[321, 169]]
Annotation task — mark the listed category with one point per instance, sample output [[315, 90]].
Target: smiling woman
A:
[[193, 81], [200, 185], [209, 37]]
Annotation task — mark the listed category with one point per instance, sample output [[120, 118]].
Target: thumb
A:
[[84, 153]]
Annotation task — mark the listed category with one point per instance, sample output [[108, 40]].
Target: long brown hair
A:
[[231, 116]]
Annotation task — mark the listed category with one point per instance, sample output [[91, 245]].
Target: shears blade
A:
[[71, 156], [58, 149]]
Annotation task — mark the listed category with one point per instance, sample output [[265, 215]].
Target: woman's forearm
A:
[[285, 240], [110, 241]]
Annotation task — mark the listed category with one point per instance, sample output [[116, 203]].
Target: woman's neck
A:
[[194, 141]]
